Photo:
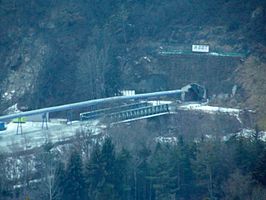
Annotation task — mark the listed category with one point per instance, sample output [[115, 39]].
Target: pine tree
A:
[[59, 181], [74, 187], [160, 178], [101, 175], [45, 164], [260, 169], [108, 161], [122, 173], [238, 186], [181, 169], [94, 173], [4, 183], [141, 185], [211, 168]]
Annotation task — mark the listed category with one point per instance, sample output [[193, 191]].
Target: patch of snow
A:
[[16, 165], [247, 133], [209, 136], [162, 139], [212, 109], [209, 109], [186, 88], [34, 136], [159, 102], [12, 109], [24, 185], [234, 89], [263, 135], [147, 58], [8, 95], [214, 53]]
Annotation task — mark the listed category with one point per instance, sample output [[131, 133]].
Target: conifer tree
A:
[[101, 173], [122, 174], [241, 154], [260, 169], [108, 161], [181, 169], [141, 184], [59, 181], [160, 174], [4, 185], [211, 168], [94, 173], [74, 188]]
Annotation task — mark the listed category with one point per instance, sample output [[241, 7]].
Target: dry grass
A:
[[252, 77]]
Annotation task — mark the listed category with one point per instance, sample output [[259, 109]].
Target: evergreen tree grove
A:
[[74, 187]]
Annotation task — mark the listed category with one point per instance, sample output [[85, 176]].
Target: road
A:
[[34, 136]]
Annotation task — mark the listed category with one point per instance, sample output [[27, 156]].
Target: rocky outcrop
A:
[[25, 64]]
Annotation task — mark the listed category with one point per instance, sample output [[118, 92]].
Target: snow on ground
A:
[[34, 181], [211, 109], [12, 109], [263, 135], [162, 139], [247, 133], [147, 58], [8, 95], [34, 136], [159, 102]]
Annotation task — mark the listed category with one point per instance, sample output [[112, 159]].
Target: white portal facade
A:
[[128, 92], [200, 48]]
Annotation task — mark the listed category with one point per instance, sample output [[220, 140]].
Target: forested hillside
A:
[[206, 169], [54, 52]]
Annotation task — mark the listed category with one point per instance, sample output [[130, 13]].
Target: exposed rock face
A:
[[25, 66], [175, 71]]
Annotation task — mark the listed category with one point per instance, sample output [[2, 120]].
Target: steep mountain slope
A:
[[54, 52]]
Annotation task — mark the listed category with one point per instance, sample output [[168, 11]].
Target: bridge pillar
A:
[[45, 120], [19, 126]]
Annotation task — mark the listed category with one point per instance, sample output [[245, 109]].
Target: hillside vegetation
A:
[[207, 169], [56, 52]]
